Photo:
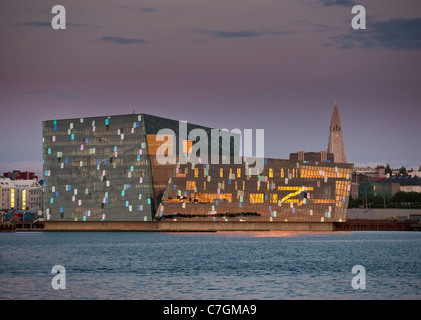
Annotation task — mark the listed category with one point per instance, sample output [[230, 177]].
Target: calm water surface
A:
[[227, 265]]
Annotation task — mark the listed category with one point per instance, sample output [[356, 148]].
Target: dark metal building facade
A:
[[285, 191], [106, 169]]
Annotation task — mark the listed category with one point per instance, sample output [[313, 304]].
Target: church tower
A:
[[336, 143]]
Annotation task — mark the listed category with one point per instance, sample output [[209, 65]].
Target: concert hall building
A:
[[107, 169]]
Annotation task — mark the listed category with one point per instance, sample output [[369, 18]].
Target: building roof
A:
[[403, 180], [26, 184], [6, 182]]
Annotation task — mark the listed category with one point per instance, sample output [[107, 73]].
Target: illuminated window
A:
[[256, 197], [274, 198], [12, 198], [323, 201], [190, 185], [187, 146], [270, 173], [238, 172], [196, 172], [211, 197], [221, 172], [24, 199]]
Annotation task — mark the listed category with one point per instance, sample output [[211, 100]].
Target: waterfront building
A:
[[285, 191], [35, 199], [6, 187], [108, 169], [27, 195], [20, 194], [407, 183]]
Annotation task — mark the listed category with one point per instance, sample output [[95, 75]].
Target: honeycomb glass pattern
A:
[[105, 169], [285, 191], [97, 169]]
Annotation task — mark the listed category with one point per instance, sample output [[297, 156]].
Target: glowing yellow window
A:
[[274, 198], [190, 185], [238, 172], [12, 198], [221, 172], [270, 173], [256, 197], [24, 199], [196, 172], [187, 146]]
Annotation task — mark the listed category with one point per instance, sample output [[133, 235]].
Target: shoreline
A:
[[212, 226]]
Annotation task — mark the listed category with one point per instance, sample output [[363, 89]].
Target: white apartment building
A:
[[6, 186], [28, 195], [20, 194]]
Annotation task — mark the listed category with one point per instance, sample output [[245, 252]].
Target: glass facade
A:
[[97, 169], [106, 169], [285, 191]]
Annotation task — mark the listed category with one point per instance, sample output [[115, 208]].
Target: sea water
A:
[[219, 265]]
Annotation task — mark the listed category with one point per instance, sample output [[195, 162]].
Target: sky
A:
[[247, 64]]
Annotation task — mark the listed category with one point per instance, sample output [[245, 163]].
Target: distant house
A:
[[20, 194], [28, 195], [6, 186], [406, 183], [373, 189]]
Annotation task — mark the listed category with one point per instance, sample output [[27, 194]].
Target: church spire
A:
[[336, 144], [335, 123]]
